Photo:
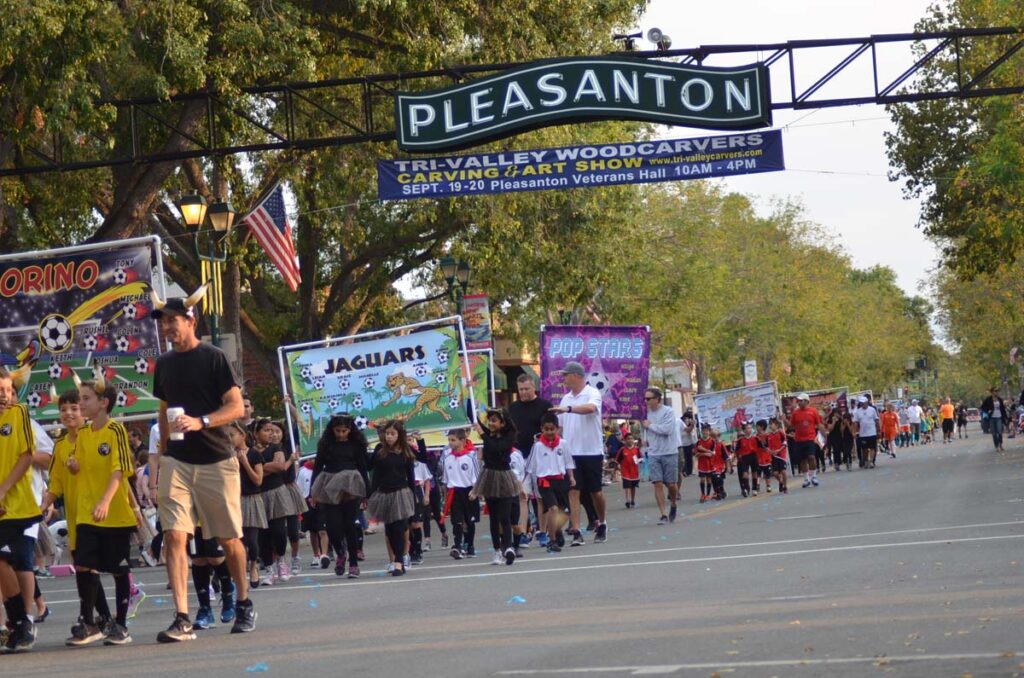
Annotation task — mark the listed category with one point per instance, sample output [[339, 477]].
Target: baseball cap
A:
[[802, 396], [571, 367], [862, 399]]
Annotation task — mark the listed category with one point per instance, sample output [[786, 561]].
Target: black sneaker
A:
[[456, 553], [560, 540], [83, 634], [577, 539], [601, 535], [510, 556], [663, 520], [470, 552], [672, 514], [325, 562], [22, 638], [179, 631], [245, 617], [118, 635], [554, 548]]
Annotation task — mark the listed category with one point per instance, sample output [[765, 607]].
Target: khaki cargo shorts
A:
[[208, 493]]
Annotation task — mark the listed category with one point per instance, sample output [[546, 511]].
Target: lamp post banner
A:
[[476, 316], [75, 311], [616, 361], [639, 162], [579, 89]]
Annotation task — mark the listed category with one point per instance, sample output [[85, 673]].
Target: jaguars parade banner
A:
[[616, 361], [476, 316], [822, 399], [638, 162], [416, 376], [727, 410], [78, 309]]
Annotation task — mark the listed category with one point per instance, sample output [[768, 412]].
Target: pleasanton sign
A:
[[562, 91]]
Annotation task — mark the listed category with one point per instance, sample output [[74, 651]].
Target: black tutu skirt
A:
[[390, 507], [494, 484], [338, 488]]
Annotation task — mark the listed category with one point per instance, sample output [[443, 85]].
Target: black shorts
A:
[[104, 549], [779, 465], [747, 464], [868, 442], [802, 450], [464, 510], [314, 519], [589, 473], [947, 426], [765, 470], [204, 548], [19, 551], [630, 484], [706, 474], [554, 493]]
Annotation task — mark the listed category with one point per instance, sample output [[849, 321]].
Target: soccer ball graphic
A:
[[55, 333], [357, 402], [131, 312], [441, 378], [361, 422], [306, 373], [120, 276], [453, 402], [368, 382], [122, 399], [123, 344], [598, 380], [344, 382], [442, 355], [422, 370], [141, 365], [54, 371], [90, 343], [333, 404], [318, 383], [306, 408], [34, 400]]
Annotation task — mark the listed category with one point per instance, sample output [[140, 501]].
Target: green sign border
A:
[[571, 113]]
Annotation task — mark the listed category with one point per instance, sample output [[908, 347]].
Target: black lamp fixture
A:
[[456, 274], [194, 212]]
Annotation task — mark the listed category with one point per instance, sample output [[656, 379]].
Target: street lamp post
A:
[[456, 277], [221, 216]]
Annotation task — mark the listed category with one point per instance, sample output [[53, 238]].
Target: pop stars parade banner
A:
[[81, 309], [616, 361], [727, 410], [416, 376]]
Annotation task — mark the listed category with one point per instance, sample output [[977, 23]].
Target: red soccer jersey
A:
[[777, 445], [719, 458], [745, 446], [627, 458], [805, 421], [764, 457], [705, 464]]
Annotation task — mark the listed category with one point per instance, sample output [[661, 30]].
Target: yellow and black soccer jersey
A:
[[64, 484], [16, 438], [99, 454]]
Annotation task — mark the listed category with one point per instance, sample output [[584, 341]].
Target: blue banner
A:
[[581, 166]]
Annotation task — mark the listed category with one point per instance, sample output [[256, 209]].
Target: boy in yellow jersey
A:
[[105, 520], [63, 483], [18, 511]]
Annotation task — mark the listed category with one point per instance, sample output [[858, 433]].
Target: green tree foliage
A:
[[965, 158]]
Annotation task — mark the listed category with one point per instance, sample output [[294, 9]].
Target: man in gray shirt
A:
[[661, 431]]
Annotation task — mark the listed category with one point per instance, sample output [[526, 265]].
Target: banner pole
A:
[[284, 394], [465, 371]]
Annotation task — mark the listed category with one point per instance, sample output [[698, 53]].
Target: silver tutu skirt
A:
[[338, 488], [298, 501], [278, 503], [253, 512], [496, 484], [390, 507]]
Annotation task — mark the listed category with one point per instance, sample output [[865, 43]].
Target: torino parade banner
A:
[[821, 399], [616, 361], [476, 315], [727, 410], [415, 373], [581, 166], [79, 310]]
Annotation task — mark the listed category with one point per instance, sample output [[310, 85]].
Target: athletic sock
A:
[[102, 608], [15, 607], [227, 585], [87, 590], [201, 579], [122, 594]]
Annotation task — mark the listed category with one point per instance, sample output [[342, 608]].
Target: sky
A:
[[837, 167]]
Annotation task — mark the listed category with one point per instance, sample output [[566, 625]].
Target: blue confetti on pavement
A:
[[313, 604], [257, 668], [716, 521], [160, 601], [516, 600], [307, 580]]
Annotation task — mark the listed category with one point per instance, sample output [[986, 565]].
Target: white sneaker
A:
[[315, 562], [390, 567], [149, 560], [284, 573], [267, 577], [406, 561], [426, 544], [498, 559], [296, 565]]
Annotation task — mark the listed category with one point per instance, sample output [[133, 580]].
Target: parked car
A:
[[973, 414]]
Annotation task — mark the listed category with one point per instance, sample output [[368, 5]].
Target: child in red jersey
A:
[[764, 456], [704, 451], [628, 459], [779, 452], [720, 463], [746, 456]]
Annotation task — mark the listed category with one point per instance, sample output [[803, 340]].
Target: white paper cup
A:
[[172, 416]]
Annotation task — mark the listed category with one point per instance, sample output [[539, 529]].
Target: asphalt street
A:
[[913, 568]]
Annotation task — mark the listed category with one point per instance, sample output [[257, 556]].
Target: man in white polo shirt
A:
[[580, 417], [865, 417]]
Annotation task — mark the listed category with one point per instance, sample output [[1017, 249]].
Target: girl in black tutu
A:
[[497, 482], [340, 481], [391, 498]]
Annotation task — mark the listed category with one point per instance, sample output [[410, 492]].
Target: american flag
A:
[[270, 225]]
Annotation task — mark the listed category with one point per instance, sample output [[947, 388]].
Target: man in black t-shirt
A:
[[198, 471], [525, 414]]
